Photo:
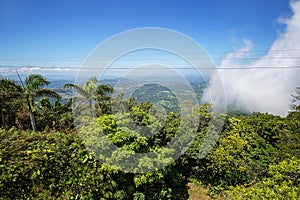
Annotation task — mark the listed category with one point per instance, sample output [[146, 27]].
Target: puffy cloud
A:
[[265, 84]]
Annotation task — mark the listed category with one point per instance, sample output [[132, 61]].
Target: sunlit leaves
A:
[[282, 182]]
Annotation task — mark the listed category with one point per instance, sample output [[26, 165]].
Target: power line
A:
[[72, 58], [256, 51], [136, 59], [156, 68]]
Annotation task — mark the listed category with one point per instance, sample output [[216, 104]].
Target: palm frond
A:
[[78, 89], [76, 100], [104, 89], [92, 80], [10, 89], [35, 81], [45, 103], [47, 93]]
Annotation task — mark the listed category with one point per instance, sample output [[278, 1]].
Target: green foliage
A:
[[290, 142], [34, 88], [9, 89], [268, 126], [190, 161], [57, 166], [157, 94], [295, 106], [161, 184], [282, 182], [50, 165], [117, 141], [54, 116], [10, 92], [244, 151], [94, 94], [26, 94], [243, 163], [256, 156]]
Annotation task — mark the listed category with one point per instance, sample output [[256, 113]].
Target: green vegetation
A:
[[157, 94], [256, 156], [93, 93]]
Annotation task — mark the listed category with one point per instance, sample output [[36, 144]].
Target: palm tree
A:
[[56, 115], [91, 92], [103, 100], [34, 88]]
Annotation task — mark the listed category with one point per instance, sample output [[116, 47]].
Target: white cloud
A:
[[261, 89]]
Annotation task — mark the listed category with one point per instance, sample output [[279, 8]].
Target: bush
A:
[[283, 182], [50, 165], [57, 166]]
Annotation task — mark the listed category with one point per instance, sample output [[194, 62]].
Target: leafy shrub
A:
[[50, 165], [283, 182], [57, 166], [243, 153]]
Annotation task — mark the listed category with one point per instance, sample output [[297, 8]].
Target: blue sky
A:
[[62, 33], [56, 35]]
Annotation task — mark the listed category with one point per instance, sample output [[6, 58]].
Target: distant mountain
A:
[[196, 79], [58, 83], [113, 81]]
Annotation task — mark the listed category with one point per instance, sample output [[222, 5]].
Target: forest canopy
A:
[[46, 153]]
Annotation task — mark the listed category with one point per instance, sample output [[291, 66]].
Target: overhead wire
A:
[[164, 57], [151, 54]]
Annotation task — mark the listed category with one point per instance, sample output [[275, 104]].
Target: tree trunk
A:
[[91, 107], [32, 120], [31, 116]]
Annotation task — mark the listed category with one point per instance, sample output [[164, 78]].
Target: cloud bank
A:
[[264, 84], [53, 73]]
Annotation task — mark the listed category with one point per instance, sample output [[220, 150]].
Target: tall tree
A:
[[92, 92], [34, 88], [103, 100], [55, 115]]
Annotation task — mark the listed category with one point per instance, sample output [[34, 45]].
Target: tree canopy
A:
[[44, 154]]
